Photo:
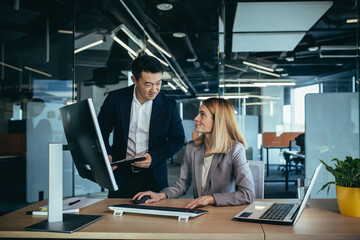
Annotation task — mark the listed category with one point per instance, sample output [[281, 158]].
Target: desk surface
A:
[[321, 221], [216, 224]]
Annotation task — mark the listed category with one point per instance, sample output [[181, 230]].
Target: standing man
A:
[[145, 123]]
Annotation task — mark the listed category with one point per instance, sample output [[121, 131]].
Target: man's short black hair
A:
[[145, 63]]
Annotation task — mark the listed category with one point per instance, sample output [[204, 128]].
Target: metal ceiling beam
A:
[[157, 37]]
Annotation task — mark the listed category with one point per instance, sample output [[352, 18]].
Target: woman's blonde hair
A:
[[225, 129]]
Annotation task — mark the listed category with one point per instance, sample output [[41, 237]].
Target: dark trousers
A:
[[134, 183]]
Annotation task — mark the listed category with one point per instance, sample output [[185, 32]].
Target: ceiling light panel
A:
[[90, 45], [265, 72], [172, 86], [258, 66], [274, 26], [159, 48], [278, 16], [92, 38], [266, 42], [131, 36], [148, 52], [116, 39]]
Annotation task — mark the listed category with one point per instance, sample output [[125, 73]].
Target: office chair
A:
[[249, 153], [258, 171], [294, 161]]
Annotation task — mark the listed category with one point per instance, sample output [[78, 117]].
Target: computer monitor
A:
[[86, 144]]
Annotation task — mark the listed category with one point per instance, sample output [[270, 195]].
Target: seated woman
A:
[[214, 163]]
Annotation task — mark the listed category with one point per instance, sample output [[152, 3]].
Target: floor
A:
[[274, 188]]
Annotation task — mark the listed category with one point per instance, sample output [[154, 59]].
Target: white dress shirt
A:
[[138, 139]]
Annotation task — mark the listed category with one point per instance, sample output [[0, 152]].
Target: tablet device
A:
[[129, 160]]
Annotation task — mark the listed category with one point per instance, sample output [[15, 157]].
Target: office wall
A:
[[249, 126], [272, 109], [189, 126], [331, 131]]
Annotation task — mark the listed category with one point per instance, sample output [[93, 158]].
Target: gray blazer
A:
[[229, 179]]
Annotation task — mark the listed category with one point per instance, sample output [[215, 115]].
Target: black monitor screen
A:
[[86, 144]]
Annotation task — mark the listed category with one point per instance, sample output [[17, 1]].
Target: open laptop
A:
[[276, 213]]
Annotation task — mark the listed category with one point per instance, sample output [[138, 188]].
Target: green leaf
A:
[[346, 173], [326, 185]]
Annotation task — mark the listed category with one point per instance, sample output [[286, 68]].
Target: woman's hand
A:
[[155, 197], [201, 202]]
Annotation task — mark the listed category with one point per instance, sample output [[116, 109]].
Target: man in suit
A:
[[145, 123]]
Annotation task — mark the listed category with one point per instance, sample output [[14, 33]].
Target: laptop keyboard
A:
[[277, 211]]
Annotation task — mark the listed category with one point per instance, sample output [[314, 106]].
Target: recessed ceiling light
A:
[[290, 59], [164, 6], [258, 66], [178, 34], [279, 69], [206, 90], [284, 74], [313, 48], [191, 59]]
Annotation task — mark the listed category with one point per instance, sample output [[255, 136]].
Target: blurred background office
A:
[[288, 67]]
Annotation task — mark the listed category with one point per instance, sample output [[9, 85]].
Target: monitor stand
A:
[[57, 221], [69, 224]]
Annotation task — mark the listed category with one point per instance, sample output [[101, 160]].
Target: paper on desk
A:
[[84, 202]]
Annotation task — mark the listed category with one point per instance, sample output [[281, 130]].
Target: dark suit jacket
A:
[[166, 133]]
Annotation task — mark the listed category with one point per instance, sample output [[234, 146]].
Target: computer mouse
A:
[[141, 200]]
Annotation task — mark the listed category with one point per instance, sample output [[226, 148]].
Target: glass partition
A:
[[36, 78], [292, 68]]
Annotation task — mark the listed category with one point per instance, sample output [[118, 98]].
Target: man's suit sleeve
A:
[[175, 139], [105, 119]]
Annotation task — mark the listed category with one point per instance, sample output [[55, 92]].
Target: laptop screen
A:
[[307, 195]]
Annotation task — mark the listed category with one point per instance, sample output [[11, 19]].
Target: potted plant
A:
[[347, 181]]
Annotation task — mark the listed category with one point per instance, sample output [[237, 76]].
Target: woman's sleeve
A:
[[244, 182], [183, 183]]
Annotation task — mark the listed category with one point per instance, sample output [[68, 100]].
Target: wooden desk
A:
[[321, 221], [216, 224]]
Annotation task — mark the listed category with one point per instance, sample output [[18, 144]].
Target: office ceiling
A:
[[271, 34]]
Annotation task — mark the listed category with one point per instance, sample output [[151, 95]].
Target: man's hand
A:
[[110, 160], [201, 202], [145, 163]]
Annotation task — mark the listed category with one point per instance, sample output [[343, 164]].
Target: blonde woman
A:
[[214, 163]]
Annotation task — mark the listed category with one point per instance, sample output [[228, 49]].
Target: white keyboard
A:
[[183, 214]]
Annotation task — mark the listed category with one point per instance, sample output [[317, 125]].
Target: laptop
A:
[[276, 213]]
